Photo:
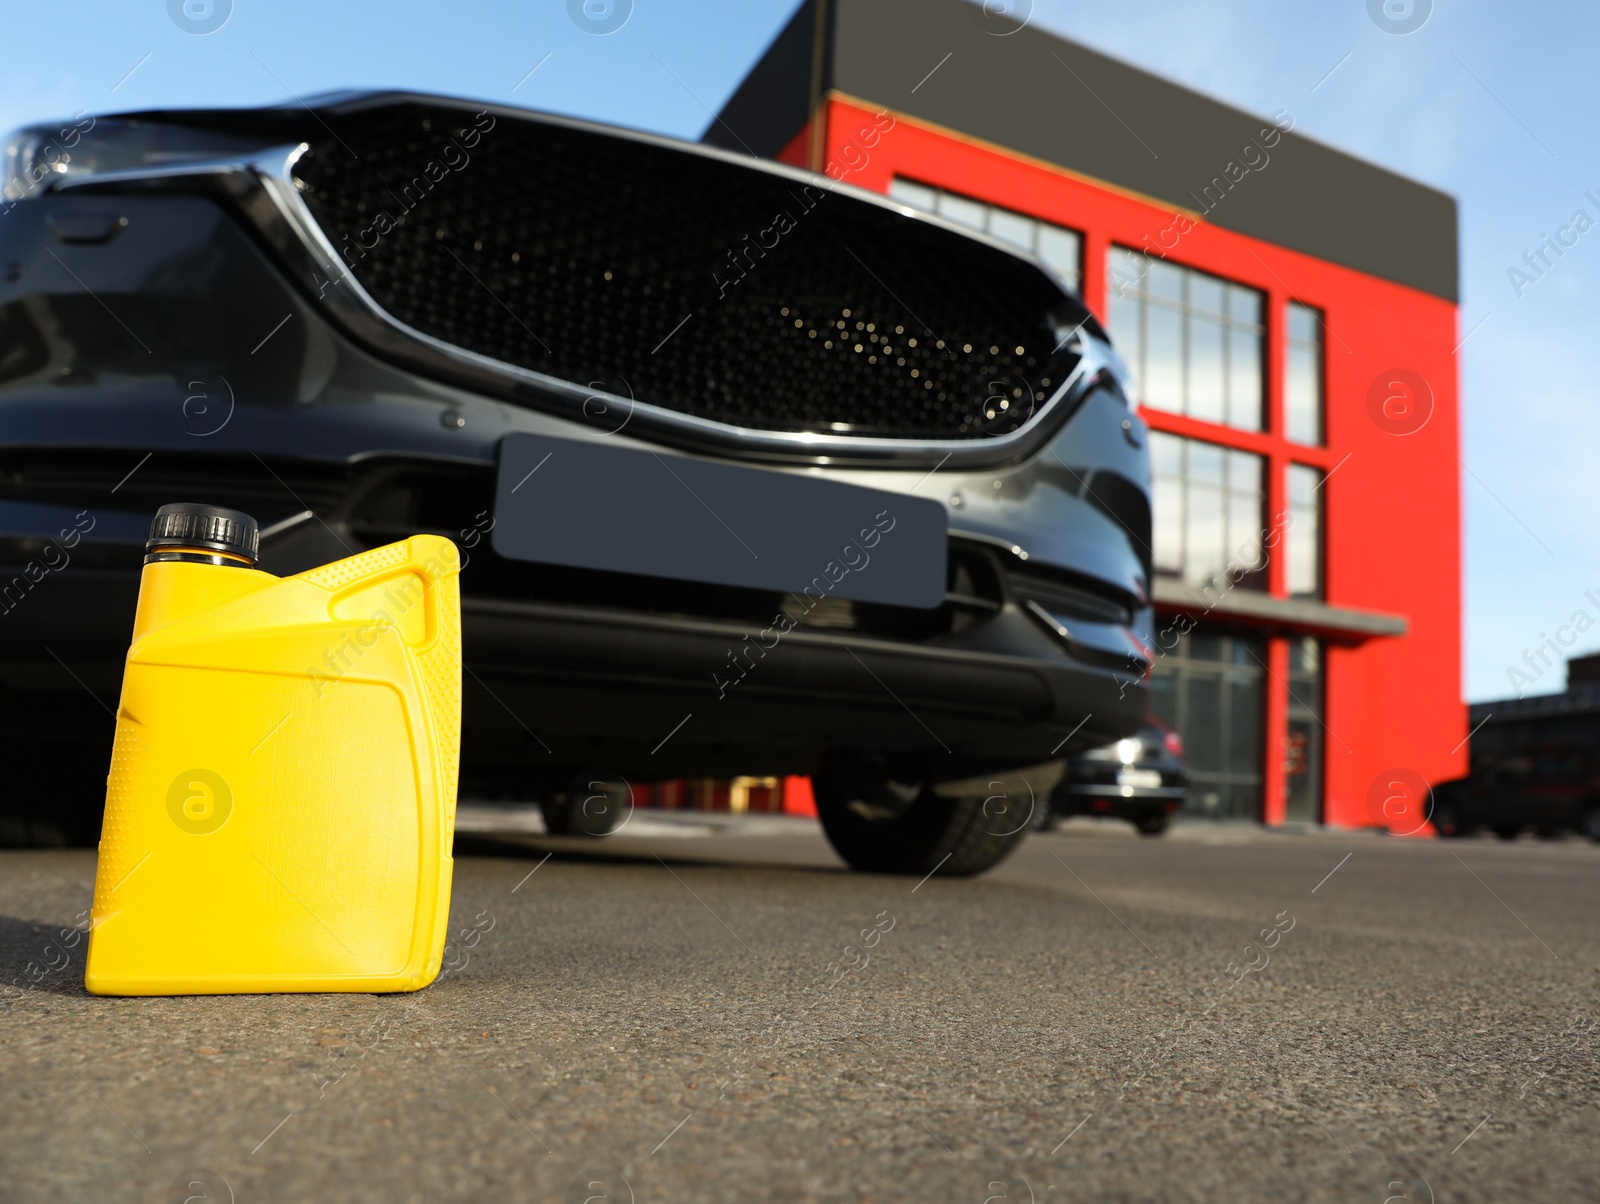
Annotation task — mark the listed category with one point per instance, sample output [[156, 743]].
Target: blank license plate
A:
[[594, 505], [1141, 778]]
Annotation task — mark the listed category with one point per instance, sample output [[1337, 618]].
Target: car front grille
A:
[[638, 270]]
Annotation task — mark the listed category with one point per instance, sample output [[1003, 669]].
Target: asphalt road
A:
[[671, 1017]]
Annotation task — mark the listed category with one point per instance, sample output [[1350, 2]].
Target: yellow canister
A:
[[282, 791]]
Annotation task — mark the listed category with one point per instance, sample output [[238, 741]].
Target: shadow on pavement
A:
[[718, 851], [35, 956]]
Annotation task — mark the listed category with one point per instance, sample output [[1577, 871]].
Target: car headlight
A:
[[39, 156]]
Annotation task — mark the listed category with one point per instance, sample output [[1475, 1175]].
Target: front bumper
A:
[[1093, 787], [554, 689]]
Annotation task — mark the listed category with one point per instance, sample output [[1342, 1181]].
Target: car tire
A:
[[1549, 831], [592, 805], [880, 826], [1506, 831], [1446, 822], [1589, 824], [1153, 825], [1044, 816]]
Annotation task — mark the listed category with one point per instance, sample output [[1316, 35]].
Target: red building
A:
[[1289, 313]]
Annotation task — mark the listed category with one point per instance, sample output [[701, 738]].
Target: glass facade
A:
[[1302, 392], [1196, 345], [1059, 247], [1209, 686], [1207, 511], [1194, 341], [1303, 540]]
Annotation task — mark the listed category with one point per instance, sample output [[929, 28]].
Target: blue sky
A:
[[1485, 100]]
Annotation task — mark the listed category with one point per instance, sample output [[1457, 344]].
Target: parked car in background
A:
[[1535, 763], [1142, 778], [753, 472]]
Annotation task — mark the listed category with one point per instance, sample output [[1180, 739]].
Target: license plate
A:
[[594, 505], [1139, 778]]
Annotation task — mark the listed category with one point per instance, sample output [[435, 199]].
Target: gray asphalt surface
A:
[[667, 1018]]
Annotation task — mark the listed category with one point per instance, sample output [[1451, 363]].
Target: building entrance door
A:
[[1209, 688], [1303, 743]]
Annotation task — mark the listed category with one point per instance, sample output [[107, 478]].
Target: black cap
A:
[[196, 527]]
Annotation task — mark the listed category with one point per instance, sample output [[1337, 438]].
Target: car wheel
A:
[[1506, 831], [1446, 822], [1549, 831], [1589, 825], [1044, 816], [880, 826], [591, 806], [1152, 825]]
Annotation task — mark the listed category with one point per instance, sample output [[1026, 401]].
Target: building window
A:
[[1302, 748], [1303, 542], [1209, 688], [1303, 389], [1059, 247], [1194, 341], [1208, 508]]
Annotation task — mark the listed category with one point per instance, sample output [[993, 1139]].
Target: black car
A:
[[752, 472], [1142, 778], [1535, 763]]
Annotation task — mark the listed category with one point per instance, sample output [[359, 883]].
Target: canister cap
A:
[[196, 527]]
